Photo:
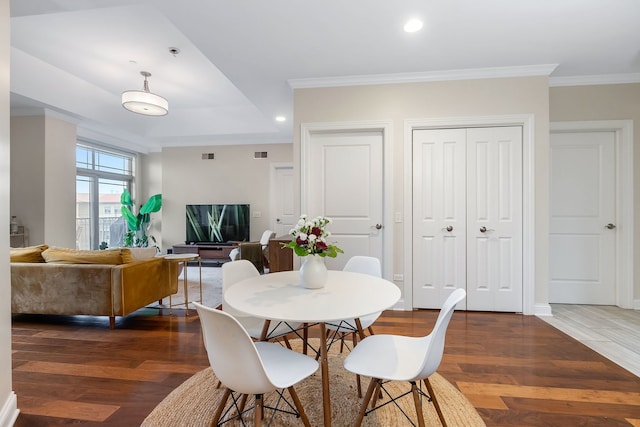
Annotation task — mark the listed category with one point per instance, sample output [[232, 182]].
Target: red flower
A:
[[321, 245], [300, 242], [317, 231]]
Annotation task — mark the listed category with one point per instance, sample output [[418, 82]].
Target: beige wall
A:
[[233, 177], [453, 99], [605, 102], [60, 183], [8, 404], [27, 183], [149, 183], [43, 175]]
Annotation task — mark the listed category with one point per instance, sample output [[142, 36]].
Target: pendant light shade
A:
[[145, 102]]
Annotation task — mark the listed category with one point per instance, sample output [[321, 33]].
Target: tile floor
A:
[[611, 331]]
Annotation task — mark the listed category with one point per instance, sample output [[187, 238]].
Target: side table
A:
[[184, 258]]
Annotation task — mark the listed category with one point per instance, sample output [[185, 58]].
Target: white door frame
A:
[[386, 127], [528, 198], [272, 186], [623, 130]]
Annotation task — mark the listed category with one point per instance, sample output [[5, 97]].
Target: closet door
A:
[[467, 217], [439, 215], [494, 219]]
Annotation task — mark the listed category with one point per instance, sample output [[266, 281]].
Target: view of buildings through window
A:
[[101, 176]]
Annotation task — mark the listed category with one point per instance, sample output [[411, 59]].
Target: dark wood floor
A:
[[517, 370]]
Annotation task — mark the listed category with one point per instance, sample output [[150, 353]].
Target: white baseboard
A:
[[636, 304], [10, 411], [542, 310]]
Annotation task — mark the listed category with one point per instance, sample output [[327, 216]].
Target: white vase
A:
[[313, 272]]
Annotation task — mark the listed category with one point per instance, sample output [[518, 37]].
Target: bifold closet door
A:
[[467, 217], [439, 215], [494, 219]]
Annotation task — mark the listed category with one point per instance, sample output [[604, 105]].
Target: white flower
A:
[[312, 237], [303, 236]]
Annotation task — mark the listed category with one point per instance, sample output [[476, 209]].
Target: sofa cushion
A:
[[28, 254], [137, 254], [74, 256]]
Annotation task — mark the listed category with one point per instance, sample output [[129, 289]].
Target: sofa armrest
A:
[[140, 283]]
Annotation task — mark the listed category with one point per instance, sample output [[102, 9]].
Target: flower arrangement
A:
[[310, 238]]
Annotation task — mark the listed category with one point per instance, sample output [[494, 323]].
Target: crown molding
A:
[[431, 76], [43, 111], [602, 79]]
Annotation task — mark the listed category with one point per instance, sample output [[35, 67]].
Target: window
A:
[[101, 176]]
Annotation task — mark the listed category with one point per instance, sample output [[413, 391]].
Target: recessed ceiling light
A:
[[413, 25], [281, 119]]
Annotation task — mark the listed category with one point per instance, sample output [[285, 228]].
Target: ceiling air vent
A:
[[208, 156], [260, 155]]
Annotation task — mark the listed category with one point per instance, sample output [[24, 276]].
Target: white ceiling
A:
[[239, 59]]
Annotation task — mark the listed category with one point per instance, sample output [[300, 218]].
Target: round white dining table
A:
[[346, 295]]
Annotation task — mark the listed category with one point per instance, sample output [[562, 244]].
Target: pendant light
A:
[[143, 101]]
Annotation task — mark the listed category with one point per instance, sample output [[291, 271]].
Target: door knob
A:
[[277, 219], [484, 229], [448, 228], [610, 226], [378, 226]]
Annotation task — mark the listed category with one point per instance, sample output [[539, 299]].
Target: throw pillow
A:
[[28, 254], [73, 256], [137, 254]]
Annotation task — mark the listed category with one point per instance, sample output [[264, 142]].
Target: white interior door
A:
[[582, 244], [467, 217], [494, 219], [344, 181], [282, 191], [439, 216]]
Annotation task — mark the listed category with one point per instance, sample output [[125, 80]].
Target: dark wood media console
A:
[[206, 251]]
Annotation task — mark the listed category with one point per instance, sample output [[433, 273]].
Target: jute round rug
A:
[[194, 402]]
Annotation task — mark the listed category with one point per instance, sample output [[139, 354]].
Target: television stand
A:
[[218, 252]]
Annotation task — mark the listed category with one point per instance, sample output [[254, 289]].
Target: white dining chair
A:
[[398, 358], [341, 329], [365, 265], [246, 367], [232, 273]]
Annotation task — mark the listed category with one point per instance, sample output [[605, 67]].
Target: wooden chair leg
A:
[[286, 341], [358, 386], [417, 403], [299, 408], [305, 337], [221, 406], [435, 401], [377, 395], [365, 401], [257, 411], [243, 402]]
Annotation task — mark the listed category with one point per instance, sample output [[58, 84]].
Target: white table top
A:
[[278, 296]]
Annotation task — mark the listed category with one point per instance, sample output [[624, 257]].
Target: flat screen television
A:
[[217, 223]]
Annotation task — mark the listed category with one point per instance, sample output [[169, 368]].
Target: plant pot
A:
[[313, 272]]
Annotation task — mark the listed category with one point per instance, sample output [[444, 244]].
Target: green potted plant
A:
[[138, 224]]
